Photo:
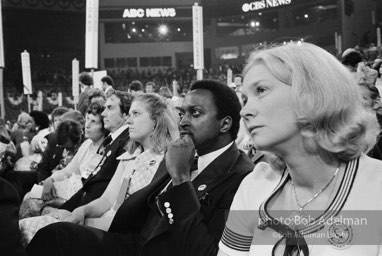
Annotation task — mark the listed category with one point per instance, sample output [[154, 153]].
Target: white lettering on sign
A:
[[133, 13], [149, 13], [264, 4]]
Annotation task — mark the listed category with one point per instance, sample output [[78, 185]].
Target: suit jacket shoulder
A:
[[198, 209], [95, 185], [133, 213], [50, 158], [110, 163]]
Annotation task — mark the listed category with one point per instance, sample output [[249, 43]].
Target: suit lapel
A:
[[214, 174], [112, 147], [136, 206]]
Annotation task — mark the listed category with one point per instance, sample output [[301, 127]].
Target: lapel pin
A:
[[202, 187], [152, 162], [108, 153], [340, 235]]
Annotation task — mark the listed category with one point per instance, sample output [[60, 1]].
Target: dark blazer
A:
[[141, 225], [82, 240], [9, 221], [83, 100], [199, 210], [94, 186], [50, 158]]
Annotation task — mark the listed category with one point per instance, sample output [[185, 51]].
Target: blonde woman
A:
[[302, 105], [152, 126]]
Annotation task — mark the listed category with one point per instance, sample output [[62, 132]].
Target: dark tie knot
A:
[[194, 165], [106, 142]]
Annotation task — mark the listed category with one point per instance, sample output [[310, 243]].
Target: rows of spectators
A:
[[144, 169]]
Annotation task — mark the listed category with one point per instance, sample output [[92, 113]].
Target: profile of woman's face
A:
[[141, 125], [268, 113], [93, 127]]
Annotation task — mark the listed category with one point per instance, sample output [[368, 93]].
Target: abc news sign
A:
[[149, 13]]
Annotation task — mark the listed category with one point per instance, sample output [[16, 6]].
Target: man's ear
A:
[[125, 116], [226, 124]]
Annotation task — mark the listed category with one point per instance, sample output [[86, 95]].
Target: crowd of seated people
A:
[[145, 172], [152, 126]]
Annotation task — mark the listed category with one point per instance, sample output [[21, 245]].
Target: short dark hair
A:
[[126, 99], [40, 118], [86, 78], [226, 101], [76, 116], [352, 58], [150, 84], [59, 111], [68, 129], [96, 92], [136, 86], [108, 80]]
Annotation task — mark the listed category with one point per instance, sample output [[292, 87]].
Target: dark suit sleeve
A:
[[95, 186], [43, 169], [191, 233], [83, 101], [50, 159], [9, 222]]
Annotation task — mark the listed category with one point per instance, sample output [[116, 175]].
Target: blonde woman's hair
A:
[[166, 124], [325, 98]]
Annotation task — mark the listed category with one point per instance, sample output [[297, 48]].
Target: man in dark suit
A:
[[180, 212], [107, 85], [115, 115], [86, 83], [10, 243]]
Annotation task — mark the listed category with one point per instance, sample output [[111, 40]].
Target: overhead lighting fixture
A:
[[163, 29]]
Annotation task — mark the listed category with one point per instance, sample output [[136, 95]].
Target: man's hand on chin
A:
[[179, 157]]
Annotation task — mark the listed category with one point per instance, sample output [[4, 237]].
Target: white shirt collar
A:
[[118, 132], [109, 87], [206, 159]]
